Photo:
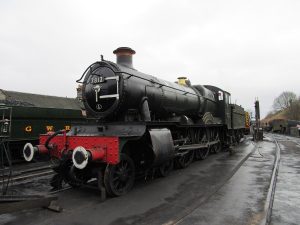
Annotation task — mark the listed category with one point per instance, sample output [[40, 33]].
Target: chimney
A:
[[124, 56]]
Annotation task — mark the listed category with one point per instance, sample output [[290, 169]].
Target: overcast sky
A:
[[249, 48]]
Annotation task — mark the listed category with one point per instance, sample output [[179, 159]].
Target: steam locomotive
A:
[[138, 123]]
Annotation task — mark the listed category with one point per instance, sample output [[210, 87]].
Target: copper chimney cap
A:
[[124, 50], [124, 56]]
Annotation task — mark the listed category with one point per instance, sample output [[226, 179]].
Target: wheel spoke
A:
[[119, 179], [118, 172], [115, 179]]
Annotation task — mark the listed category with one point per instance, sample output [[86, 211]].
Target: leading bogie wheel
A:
[[119, 178], [57, 181]]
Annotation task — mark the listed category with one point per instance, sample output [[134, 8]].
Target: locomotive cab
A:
[[222, 103]]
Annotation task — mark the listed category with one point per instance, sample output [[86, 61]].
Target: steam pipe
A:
[[51, 137]]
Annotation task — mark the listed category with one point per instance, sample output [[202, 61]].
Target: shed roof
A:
[[14, 98]]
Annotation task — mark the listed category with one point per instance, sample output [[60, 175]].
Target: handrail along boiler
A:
[[139, 123]]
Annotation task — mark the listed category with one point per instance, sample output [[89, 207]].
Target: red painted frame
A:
[[60, 143]]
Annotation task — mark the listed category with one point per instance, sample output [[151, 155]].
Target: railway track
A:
[[180, 215], [271, 190], [21, 175]]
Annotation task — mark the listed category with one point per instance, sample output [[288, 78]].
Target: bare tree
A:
[[270, 114], [284, 100], [294, 110]]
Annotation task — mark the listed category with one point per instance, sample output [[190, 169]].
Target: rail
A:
[[271, 191], [23, 175]]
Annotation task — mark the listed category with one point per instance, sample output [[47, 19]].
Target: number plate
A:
[[97, 79]]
